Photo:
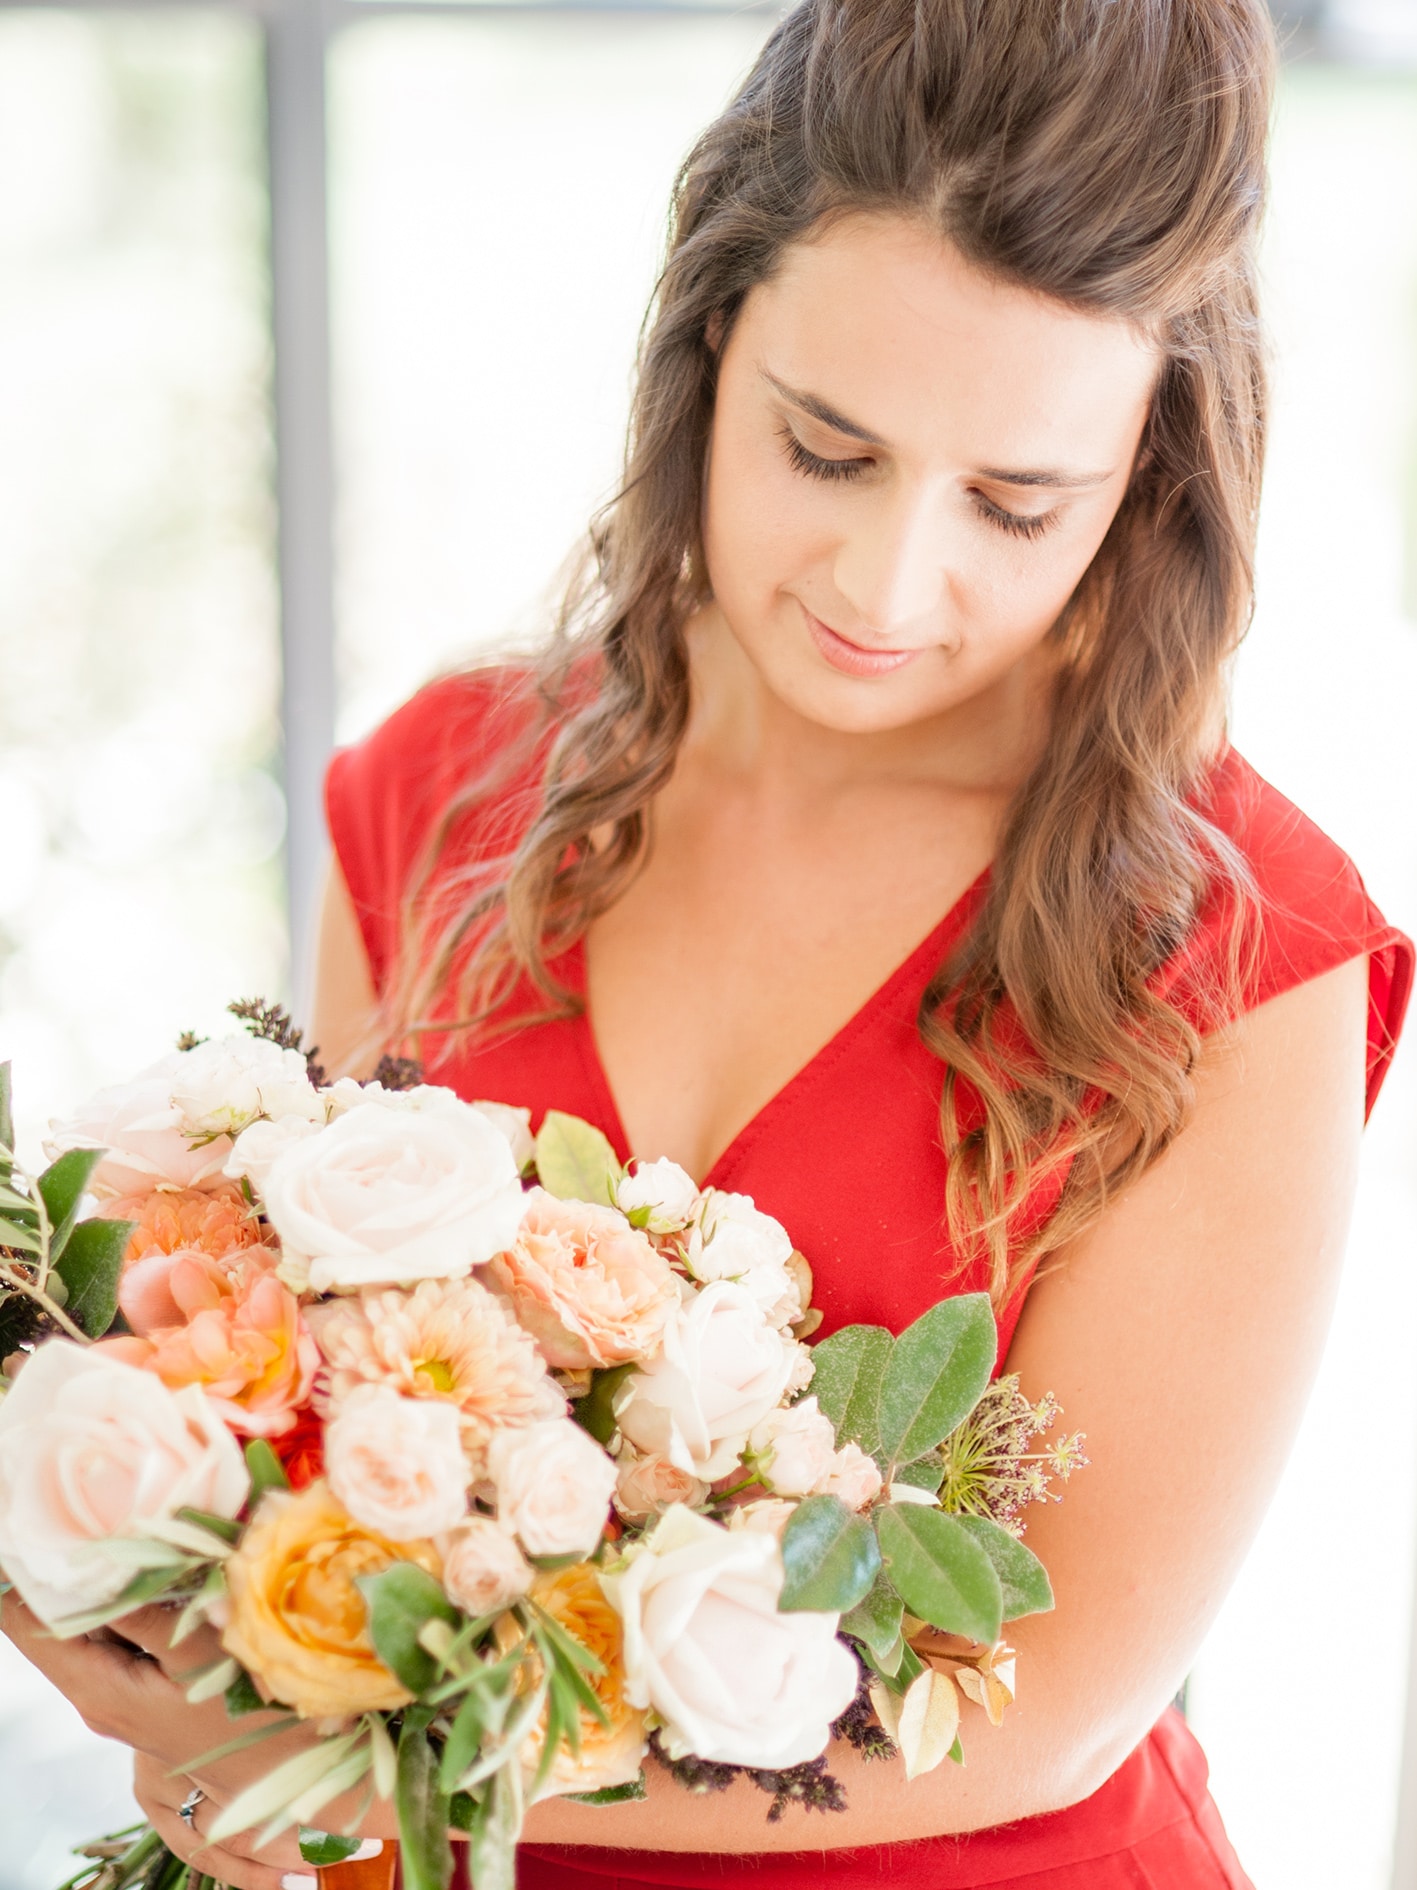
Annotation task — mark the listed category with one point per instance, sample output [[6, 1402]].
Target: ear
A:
[[713, 331]]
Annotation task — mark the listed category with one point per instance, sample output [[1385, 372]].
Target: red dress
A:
[[847, 1156]]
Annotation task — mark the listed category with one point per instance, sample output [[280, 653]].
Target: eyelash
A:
[[813, 466]]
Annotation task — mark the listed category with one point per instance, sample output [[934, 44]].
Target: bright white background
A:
[[498, 192]]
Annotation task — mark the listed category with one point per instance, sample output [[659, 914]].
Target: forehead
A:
[[887, 322]]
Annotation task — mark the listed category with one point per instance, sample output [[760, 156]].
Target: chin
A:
[[851, 705]]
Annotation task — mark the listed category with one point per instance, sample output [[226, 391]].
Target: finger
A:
[[152, 1628], [154, 1791]]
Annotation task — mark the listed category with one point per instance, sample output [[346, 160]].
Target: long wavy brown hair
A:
[[1109, 154]]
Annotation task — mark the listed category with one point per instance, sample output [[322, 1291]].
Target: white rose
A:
[[483, 1569], [228, 1082], [93, 1451], [387, 1197], [721, 1369], [853, 1477], [732, 1240], [553, 1484], [769, 1513], [732, 1679], [515, 1124], [256, 1149], [646, 1485], [424, 1099], [397, 1464], [141, 1128], [659, 1196], [795, 1448]]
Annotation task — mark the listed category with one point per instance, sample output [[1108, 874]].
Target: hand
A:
[[127, 1687]]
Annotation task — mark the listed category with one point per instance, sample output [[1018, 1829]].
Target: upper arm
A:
[[345, 1017], [1182, 1334]]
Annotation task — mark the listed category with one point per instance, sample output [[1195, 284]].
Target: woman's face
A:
[[911, 467]]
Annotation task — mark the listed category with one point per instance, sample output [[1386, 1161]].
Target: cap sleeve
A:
[[1314, 913], [388, 797]]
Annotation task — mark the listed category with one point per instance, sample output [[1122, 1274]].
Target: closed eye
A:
[[814, 466], [1018, 524]]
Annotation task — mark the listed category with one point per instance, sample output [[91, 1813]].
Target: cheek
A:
[[762, 524]]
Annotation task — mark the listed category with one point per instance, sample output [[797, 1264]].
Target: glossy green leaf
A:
[[242, 1697], [875, 1621], [846, 1380], [89, 1267], [7, 1121], [937, 1371], [830, 1557], [1022, 1577], [574, 1161], [326, 1847], [901, 1668], [940, 1571], [265, 1470], [627, 1794], [426, 1856], [62, 1187], [401, 1599], [595, 1412], [926, 1473]]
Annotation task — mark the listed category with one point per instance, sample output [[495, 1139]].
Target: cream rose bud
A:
[[853, 1477], [770, 1514], [646, 1485], [659, 1195], [93, 1451], [228, 1082], [397, 1464], [795, 1448], [257, 1148], [731, 1678], [721, 1369], [515, 1124], [553, 1484], [732, 1240], [483, 1569], [140, 1129], [388, 1196]]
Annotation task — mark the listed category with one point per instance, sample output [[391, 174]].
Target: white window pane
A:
[[140, 880], [499, 190]]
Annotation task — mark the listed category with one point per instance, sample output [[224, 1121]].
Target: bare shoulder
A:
[[344, 1007]]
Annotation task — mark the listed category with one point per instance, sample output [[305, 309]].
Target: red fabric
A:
[[847, 1155]]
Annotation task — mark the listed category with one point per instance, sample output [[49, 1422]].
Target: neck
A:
[[986, 745]]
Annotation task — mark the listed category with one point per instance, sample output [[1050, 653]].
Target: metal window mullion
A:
[[297, 34]]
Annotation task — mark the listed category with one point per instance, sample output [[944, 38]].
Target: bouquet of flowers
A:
[[487, 1456]]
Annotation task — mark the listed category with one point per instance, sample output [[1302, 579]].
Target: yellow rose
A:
[[609, 1754], [298, 1623]]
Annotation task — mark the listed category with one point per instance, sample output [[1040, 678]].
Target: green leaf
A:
[[575, 1161], [89, 1268], [940, 1571], [462, 1811], [830, 1557], [326, 1847], [937, 1372], [496, 1828], [956, 1752], [242, 1697], [595, 1412], [627, 1794], [1022, 1577], [926, 1473], [265, 1470], [464, 1740], [426, 1855], [62, 1186], [875, 1620], [7, 1119], [401, 1600], [847, 1370], [22, 1239], [219, 1526], [900, 1670]]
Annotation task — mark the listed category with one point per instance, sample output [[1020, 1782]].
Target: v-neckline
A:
[[932, 944]]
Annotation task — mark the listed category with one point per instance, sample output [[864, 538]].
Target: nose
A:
[[891, 565]]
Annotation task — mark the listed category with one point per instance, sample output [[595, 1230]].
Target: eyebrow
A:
[[819, 410]]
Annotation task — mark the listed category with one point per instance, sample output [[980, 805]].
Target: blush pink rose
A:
[[483, 1569], [397, 1464], [591, 1290], [240, 1338]]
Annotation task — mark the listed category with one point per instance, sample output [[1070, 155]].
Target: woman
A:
[[934, 544]]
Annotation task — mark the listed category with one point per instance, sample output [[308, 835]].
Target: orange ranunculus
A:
[[241, 1339], [210, 1221], [298, 1624], [609, 1754]]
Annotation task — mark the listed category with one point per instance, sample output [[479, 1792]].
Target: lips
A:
[[852, 659]]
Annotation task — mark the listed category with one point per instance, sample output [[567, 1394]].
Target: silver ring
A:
[[187, 1810]]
